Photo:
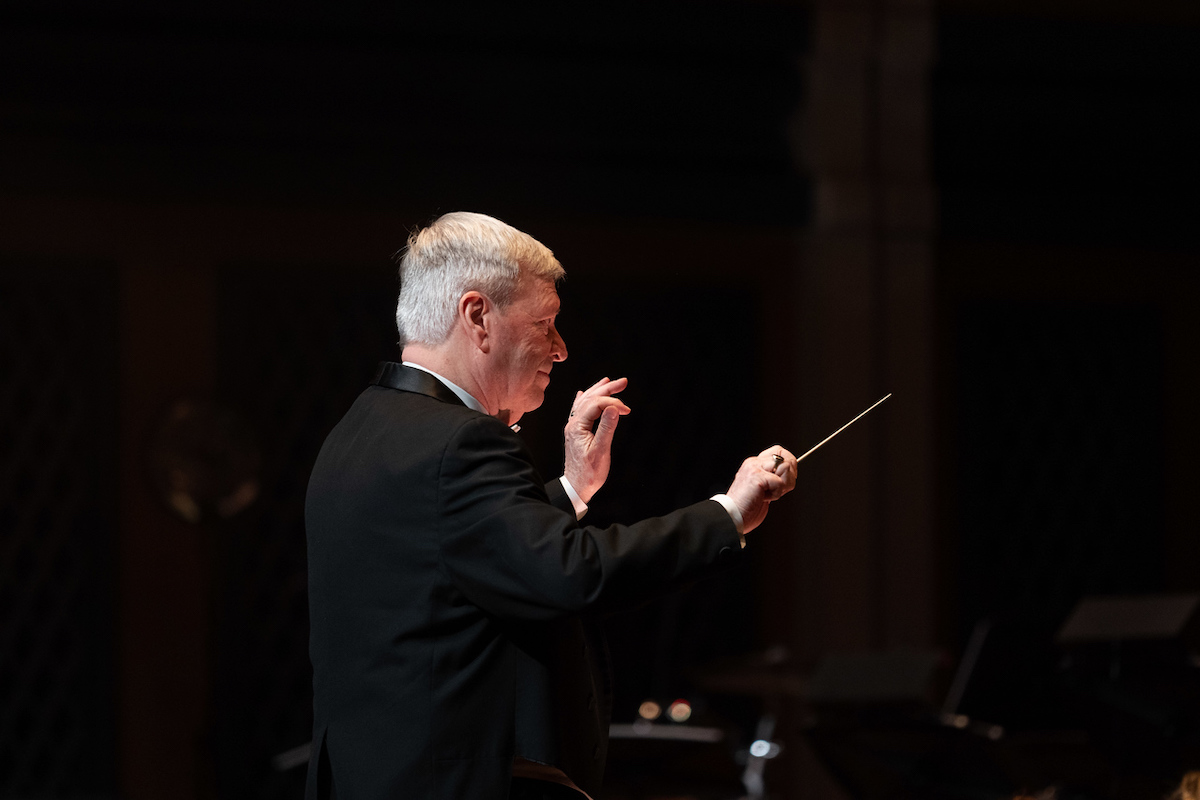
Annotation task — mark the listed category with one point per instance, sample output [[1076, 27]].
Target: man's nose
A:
[[558, 348]]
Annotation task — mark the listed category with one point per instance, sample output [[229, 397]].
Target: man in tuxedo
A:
[[451, 590]]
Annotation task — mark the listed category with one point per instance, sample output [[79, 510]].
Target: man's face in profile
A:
[[526, 346]]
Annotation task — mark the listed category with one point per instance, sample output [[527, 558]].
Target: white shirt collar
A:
[[468, 399]]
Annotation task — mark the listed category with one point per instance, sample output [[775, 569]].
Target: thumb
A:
[[607, 426]]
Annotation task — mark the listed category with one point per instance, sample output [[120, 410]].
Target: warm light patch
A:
[[650, 710], [679, 711]]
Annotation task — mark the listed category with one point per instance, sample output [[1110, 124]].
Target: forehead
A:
[[538, 295]]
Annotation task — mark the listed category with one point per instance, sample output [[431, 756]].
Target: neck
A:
[[459, 368]]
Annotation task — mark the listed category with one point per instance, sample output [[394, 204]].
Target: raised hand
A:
[[588, 435], [761, 480]]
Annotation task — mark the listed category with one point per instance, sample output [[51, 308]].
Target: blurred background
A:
[[771, 214]]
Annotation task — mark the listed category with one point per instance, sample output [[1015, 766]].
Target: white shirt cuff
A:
[[736, 515], [576, 500]]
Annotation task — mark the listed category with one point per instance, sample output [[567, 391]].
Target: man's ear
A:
[[474, 318]]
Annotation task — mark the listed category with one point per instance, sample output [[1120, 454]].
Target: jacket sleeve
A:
[[558, 496], [516, 555]]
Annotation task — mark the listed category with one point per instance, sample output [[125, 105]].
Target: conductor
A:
[[450, 588]]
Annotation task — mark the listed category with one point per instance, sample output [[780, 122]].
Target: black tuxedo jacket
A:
[[449, 589]]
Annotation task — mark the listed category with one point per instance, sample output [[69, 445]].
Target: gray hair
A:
[[458, 253]]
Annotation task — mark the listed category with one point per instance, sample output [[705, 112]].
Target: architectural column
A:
[[866, 290], [164, 639], [865, 554]]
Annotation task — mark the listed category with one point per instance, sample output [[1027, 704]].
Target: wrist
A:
[[577, 500], [734, 512], [578, 486]]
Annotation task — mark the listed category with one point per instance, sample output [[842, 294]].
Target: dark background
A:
[[771, 214]]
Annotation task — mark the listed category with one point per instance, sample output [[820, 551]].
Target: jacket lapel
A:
[[406, 379]]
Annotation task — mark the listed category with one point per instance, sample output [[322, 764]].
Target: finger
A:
[[605, 387], [781, 460], [589, 410], [768, 486], [792, 466], [613, 402], [588, 392], [574, 404], [774, 486], [787, 455], [592, 406], [612, 387], [595, 386]]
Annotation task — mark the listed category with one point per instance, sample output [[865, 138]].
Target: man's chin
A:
[[532, 403]]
